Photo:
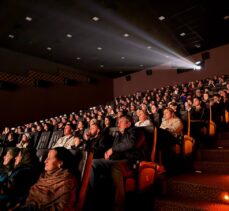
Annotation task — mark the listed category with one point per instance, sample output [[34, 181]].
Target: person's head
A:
[[68, 129], [11, 136], [58, 158], [205, 96], [80, 125], [196, 102], [216, 98], [94, 130], [168, 113], [153, 109], [23, 158], [93, 121], [142, 115], [124, 122], [9, 157], [25, 137], [107, 121]]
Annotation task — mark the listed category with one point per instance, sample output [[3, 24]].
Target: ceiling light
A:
[[11, 36], [226, 17], [123, 57], [28, 18], [120, 72], [198, 62], [101, 65], [149, 47], [95, 18], [99, 48], [78, 58], [182, 34], [126, 35], [69, 35], [161, 18], [197, 45], [141, 65], [49, 48]]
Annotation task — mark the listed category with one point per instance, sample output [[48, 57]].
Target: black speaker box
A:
[[128, 78], [69, 82], [205, 55], [149, 72], [42, 83]]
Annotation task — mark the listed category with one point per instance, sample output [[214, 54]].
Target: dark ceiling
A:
[[100, 47]]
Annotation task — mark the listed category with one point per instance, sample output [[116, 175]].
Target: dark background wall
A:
[[217, 64], [28, 103]]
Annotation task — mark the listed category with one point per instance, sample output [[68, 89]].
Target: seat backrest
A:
[[151, 139], [43, 140], [80, 158], [55, 136], [156, 119], [34, 139], [84, 182], [113, 131]]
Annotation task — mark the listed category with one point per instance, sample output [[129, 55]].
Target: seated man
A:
[[118, 160], [67, 140]]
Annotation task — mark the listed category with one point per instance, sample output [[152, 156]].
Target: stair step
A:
[[215, 155], [207, 187], [212, 167], [222, 143], [178, 204]]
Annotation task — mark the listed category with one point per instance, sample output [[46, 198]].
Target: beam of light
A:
[[135, 45], [180, 62]]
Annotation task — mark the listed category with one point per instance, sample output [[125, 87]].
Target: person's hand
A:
[[108, 153]]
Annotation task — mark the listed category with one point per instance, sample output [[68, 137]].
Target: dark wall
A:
[[217, 64], [28, 104]]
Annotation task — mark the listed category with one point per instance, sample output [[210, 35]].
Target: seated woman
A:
[[169, 134], [16, 186], [8, 163], [171, 123], [25, 141], [56, 187], [143, 119]]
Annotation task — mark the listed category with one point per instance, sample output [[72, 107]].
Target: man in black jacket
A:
[[118, 160]]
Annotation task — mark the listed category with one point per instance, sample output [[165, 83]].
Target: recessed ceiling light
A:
[[197, 45], [226, 17], [99, 48], [182, 34], [126, 35], [78, 58], [11, 36], [101, 65], [141, 65], [49, 48], [123, 57], [161, 18], [69, 35], [149, 47], [120, 72], [197, 62], [28, 18], [95, 18]]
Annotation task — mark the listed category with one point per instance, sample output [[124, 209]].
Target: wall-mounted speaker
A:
[[91, 80], [205, 55], [69, 82], [42, 83], [128, 78], [5, 85], [149, 72]]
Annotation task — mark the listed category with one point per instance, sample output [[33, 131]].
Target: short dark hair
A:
[[128, 118]]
